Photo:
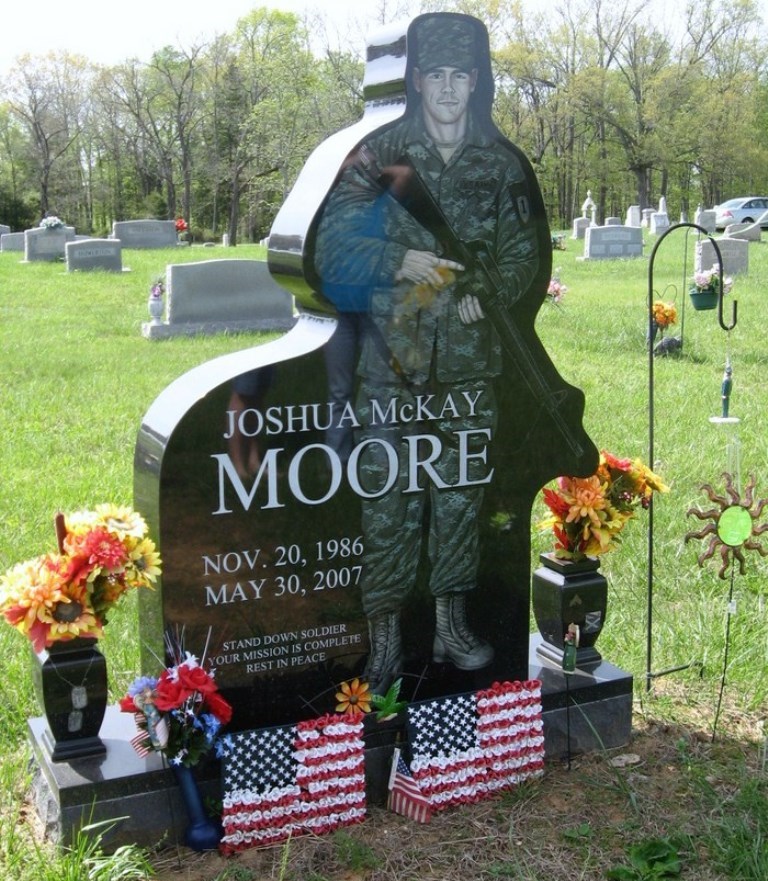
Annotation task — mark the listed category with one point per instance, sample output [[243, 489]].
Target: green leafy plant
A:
[[651, 860], [354, 854], [581, 833], [387, 705]]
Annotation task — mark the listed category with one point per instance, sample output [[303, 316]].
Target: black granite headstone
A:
[[292, 521]]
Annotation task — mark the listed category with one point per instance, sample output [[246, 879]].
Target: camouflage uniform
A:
[[362, 240]]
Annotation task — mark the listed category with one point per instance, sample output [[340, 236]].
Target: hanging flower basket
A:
[[705, 290], [703, 298]]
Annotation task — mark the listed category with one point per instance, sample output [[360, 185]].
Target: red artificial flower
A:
[[127, 705], [556, 503], [170, 693], [181, 224], [218, 707], [39, 633], [77, 569], [614, 461], [97, 547], [195, 679]]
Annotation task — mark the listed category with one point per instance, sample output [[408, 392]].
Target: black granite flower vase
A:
[[566, 592], [70, 679], [202, 833]]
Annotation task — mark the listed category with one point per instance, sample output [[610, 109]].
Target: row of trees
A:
[[598, 93]]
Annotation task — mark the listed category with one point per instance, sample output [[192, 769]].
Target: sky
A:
[[108, 34]]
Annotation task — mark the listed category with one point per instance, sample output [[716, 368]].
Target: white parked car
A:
[[747, 209]]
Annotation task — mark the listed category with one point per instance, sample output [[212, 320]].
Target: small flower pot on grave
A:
[[701, 300]]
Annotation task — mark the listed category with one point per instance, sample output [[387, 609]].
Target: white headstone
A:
[[580, 225], [588, 206], [633, 216]]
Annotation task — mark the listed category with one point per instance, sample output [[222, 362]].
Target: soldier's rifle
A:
[[404, 183]]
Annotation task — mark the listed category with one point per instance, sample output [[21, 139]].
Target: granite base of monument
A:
[[137, 798], [585, 711]]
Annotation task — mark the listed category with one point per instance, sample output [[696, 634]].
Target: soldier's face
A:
[[445, 92]]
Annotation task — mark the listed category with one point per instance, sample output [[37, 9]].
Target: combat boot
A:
[[454, 641], [386, 655]]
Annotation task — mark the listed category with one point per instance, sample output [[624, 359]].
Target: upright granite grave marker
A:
[[12, 241], [707, 219], [145, 233], [218, 296], [42, 244], [613, 242], [633, 217], [735, 254], [88, 254], [354, 499]]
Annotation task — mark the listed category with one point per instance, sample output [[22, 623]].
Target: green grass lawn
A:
[[78, 377]]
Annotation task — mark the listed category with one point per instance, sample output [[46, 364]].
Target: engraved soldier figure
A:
[[430, 356]]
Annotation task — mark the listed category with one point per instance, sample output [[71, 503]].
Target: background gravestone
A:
[[612, 242], [86, 254], [145, 233], [734, 252], [12, 241], [44, 244], [219, 296]]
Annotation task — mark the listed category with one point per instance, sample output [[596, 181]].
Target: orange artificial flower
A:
[[354, 697]]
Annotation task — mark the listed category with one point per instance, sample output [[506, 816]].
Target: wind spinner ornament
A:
[[733, 526]]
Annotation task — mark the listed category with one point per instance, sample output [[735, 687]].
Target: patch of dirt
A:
[[575, 822]]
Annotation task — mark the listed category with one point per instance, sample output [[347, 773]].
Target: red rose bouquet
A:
[[180, 713]]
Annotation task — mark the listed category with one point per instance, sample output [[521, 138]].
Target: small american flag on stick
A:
[[405, 797]]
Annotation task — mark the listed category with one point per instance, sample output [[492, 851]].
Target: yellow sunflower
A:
[[144, 565], [121, 520]]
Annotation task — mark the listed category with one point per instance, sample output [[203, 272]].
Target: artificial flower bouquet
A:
[[157, 289], [556, 290], [51, 222], [179, 713], [589, 513], [102, 554], [181, 225], [664, 314], [709, 280]]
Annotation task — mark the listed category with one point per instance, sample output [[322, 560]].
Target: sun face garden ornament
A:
[[733, 524]]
